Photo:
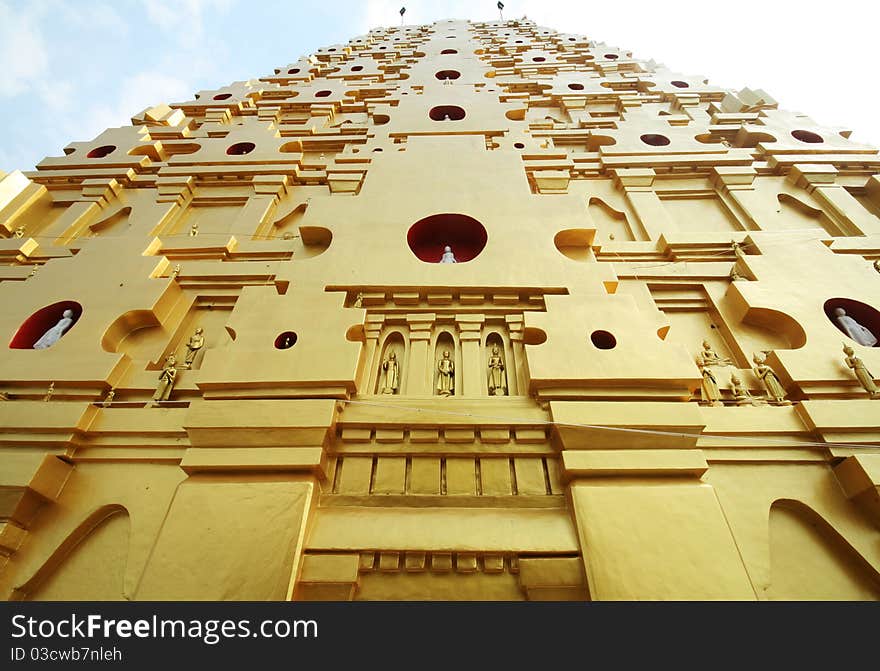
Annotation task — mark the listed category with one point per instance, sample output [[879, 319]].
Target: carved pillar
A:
[[841, 206], [637, 185], [472, 376], [419, 369], [516, 374], [372, 329]]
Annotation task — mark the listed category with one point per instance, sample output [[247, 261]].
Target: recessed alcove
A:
[[35, 327], [323, 94], [293, 71], [447, 75], [807, 136], [655, 139], [241, 148], [866, 315], [101, 152], [446, 113], [603, 340], [285, 340], [223, 96], [428, 237], [576, 87], [680, 84], [575, 243]]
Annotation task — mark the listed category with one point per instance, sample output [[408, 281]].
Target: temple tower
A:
[[449, 311]]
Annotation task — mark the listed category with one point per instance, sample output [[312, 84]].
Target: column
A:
[[471, 376], [637, 185], [253, 217], [419, 368], [372, 329], [516, 373], [737, 182], [841, 206]]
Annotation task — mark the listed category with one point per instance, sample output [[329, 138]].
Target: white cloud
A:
[[23, 55], [183, 15]]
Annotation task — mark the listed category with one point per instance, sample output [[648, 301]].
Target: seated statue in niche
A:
[[853, 329], [166, 380], [711, 394], [741, 395], [54, 334], [391, 371], [196, 342], [775, 390], [709, 357], [863, 375], [497, 378], [446, 375], [448, 256]]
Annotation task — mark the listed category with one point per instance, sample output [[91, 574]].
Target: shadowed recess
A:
[[465, 235]]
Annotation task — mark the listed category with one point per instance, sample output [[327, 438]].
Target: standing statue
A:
[[741, 395], [775, 390], [19, 232], [175, 272], [448, 256], [853, 329], [359, 300], [710, 358], [711, 395], [49, 392], [196, 342], [194, 230], [446, 377], [863, 375], [735, 276], [166, 380], [497, 381], [391, 369], [108, 399], [54, 334]]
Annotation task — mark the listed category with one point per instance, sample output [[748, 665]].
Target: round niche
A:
[[576, 87], [655, 140], [446, 113], [223, 96], [241, 148], [323, 94], [858, 321], [429, 237], [448, 51], [603, 340], [293, 71], [57, 318], [101, 152], [285, 340], [680, 84], [444, 75], [807, 136]]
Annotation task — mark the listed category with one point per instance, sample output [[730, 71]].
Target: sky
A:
[[71, 68]]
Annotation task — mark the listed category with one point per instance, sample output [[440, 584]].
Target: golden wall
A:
[[357, 420]]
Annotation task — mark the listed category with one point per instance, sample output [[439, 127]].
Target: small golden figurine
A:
[[497, 381], [775, 390], [741, 395], [392, 374], [863, 375], [359, 300], [196, 342], [710, 358], [194, 230], [166, 381], [175, 272], [446, 376], [19, 232], [108, 399], [49, 392], [711, 394]]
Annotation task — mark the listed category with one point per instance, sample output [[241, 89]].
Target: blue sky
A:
[[71, 68]]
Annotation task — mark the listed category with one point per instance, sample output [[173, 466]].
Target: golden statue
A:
[[175, 271], [711, 395], [19, 232], [710, 358], [166, 380], [497, 381], [775, 390], [49, 392], [391, 368], [194, 230], [196, 342], [741, 395], [862, 373], [446, 377], [359, 300], [108, 400]]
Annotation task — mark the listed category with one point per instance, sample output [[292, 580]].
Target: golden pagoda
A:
[[476, 311]]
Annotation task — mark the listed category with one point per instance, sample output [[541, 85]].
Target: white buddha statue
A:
[[853, 329], [448, 256], [54, 334]]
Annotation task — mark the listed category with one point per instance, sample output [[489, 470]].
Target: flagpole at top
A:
[[402, 12], [500, 6]]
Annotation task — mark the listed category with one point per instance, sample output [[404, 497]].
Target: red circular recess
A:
[[322, 94], [807, 136], [223, 96], [576, 87], [519, 145], [448, 74], [357, 68], [241, 148], [285, 340], [863, 313], [293, 71], [448, 51], [539, 59], [34, 327], [680, 84], [446, 113], [101, 152], [603, 340], [655, 140], [428, 237], [612, 57]]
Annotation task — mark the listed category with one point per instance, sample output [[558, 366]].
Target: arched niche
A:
[[575, 243], [428, 237], [116, 222], [611, 223], [506, 376], [40, 322], [803, 215], [445, 343], [88, 565], [122, 335], [315, 241], [863, 313], [394, 343], [778, 326]]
